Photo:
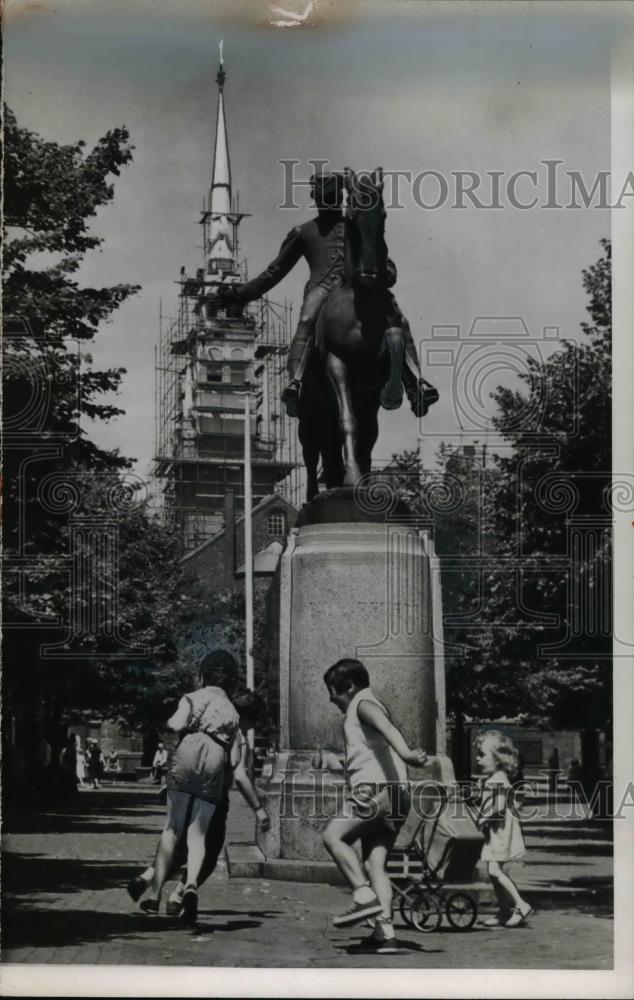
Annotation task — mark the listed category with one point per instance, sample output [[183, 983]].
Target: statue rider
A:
[[321, 243]]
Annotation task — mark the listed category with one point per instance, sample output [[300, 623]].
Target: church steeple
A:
[[221, 246]]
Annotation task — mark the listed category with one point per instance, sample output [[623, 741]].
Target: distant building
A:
[[220, 559]]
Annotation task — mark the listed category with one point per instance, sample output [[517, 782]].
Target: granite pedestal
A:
[[350, 583]]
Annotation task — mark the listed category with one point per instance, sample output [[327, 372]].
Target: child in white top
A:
[[378, 800], [497, 758]]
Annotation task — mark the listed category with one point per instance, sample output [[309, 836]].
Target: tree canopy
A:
[[94, 597], [50, 194], [526, 552]]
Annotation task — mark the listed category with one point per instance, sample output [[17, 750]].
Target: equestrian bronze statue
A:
[[353, 350], [357, 362]]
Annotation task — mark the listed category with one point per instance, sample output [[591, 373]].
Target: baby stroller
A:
[[443, 850]]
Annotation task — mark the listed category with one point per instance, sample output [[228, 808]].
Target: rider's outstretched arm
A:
[[290, 252]]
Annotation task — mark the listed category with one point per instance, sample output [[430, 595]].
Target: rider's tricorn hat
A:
[[329, 185]]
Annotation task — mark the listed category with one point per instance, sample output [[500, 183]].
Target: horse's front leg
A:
[[309, 439], [310, 449], [368, 435], [338, 377], [392, 392]]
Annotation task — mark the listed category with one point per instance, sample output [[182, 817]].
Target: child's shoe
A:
[[375, 946], [383, 938], [150, 906], [136, 887], [174, 904], [518, 916], [189, 914], [358, 912], [496, 920], [381, 941]]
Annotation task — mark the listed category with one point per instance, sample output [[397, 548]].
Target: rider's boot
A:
[[420, 393], [290, 397], [291, 394]]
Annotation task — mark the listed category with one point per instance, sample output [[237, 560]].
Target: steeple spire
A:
[[220, 76], [221, 243]]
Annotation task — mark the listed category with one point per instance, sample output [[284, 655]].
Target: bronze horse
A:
[[356, 365]]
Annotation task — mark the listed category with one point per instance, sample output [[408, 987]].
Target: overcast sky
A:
[[409, 86]]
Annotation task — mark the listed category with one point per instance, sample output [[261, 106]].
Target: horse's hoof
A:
[[391, 402], [351, 478], [292, 407]]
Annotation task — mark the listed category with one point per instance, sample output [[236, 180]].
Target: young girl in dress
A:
[[497, 758]]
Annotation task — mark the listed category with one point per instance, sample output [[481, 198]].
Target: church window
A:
[[276, 524]]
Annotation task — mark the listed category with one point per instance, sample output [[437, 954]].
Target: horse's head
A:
[[366, 225]]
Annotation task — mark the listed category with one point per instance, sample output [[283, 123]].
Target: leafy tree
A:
[[551, 512], [152, 622], [520, 515], [452, 500], [217, 626], [51, 193]]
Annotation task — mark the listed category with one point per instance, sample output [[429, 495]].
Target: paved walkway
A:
[[65, 873]]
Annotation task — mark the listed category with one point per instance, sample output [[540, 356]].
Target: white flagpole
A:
[[248, 552]]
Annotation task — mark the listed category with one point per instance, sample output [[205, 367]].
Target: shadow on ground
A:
[[101, 811], [29, 874], [35, 928]]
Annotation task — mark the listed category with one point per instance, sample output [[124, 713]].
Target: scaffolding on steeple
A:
[[208, 356]]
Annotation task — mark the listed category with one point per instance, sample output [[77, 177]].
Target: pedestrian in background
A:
[[554, 769], [112, 763], [80, 757], [40, 755], [95, 759], [159, 764], [68, 766]]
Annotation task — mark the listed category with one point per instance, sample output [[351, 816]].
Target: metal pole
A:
[[248, 542], [248, 563]]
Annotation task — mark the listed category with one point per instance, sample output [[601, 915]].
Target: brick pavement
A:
[[65, 903]]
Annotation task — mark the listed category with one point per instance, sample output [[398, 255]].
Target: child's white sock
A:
[[384, 928], [364, 894], [177, 893]]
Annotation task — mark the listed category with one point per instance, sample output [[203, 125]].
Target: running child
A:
[[209, 726], [377, 803], [248, 707], [497, 758]]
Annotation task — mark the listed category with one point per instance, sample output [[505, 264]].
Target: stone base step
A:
[[601, 828], [244, 861]]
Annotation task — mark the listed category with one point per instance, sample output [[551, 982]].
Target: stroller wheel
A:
[[405, 907], [461, 911], [425, 912]]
